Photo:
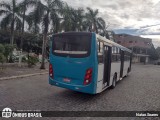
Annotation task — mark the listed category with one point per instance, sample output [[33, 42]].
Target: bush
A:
[[8, 52], [32, 60], [24, 59], [2, 58]]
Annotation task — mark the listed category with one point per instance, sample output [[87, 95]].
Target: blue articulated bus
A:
[[87, 62]]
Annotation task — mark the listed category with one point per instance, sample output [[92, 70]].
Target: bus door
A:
[[107, 65], [122, 64]]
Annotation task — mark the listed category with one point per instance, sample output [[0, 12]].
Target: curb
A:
[[22, 76]]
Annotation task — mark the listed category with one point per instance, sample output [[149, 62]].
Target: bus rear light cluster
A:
[[51, 71], [88, 76]]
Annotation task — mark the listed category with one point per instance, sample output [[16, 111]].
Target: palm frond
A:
[[57, 4], [4, 12], [37, 14], [5, 5], [101, 23], [18, 23], [6, 21], [26, 3]]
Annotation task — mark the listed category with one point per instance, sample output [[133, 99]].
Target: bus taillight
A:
[[51, 71], [88, 76]]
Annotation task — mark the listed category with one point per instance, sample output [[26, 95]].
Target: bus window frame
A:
[[100, 52]]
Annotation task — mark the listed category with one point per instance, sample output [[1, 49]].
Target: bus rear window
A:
[[75, 46]]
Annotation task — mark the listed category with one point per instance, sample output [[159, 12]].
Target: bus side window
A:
[[100, 52], [115, 54], [127, 56]]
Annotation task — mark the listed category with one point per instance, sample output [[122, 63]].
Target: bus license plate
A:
[[66, 80]]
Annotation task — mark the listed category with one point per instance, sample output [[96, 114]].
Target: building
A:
[[140, 46]]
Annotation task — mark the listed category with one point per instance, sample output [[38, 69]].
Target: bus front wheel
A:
[[114, 82]]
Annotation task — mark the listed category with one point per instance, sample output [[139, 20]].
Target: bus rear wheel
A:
[[114, 82]]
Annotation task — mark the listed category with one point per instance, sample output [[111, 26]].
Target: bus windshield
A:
[[75, 46]]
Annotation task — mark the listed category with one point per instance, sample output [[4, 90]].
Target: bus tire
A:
[[114, 82]]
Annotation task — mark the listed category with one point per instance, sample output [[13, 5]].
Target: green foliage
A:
[[153, 53], [94, 22], [55, 13], [24, 59], [11, 17], [1, 48], [2, 58], [32, 60], [8, 50], [158, 51]]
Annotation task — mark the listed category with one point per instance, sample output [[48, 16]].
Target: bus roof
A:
[[105, 40], [73, 33]]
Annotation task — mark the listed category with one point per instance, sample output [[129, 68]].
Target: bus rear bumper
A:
[[85, 89]]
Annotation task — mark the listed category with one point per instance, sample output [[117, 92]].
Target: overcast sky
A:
[[136, 17], [124, 13]]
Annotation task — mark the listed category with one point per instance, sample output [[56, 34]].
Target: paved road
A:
[[140, 91]]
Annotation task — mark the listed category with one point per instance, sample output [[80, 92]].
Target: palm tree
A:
[[35, 17], [12, 17], [72, 19], [66, 24], [23, 7], [93, 21], [78, 17], [47, 13], [101, 26]]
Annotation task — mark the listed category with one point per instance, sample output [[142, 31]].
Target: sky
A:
[[135, 17]]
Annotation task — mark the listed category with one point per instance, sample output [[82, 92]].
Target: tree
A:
[[158, 51], [72, 19], [93, 21], [153, 53], [66, 24], [12, 17], [35, 18], [52, 8], [101, 26], [23, 9], [77, 19], [46, 13]]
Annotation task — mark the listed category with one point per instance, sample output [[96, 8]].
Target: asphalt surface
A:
[[9, 71], [140, 91]]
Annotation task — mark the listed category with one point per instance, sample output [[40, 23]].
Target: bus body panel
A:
[[71, 69], [100, 77], [70, 72], [115, 69]]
